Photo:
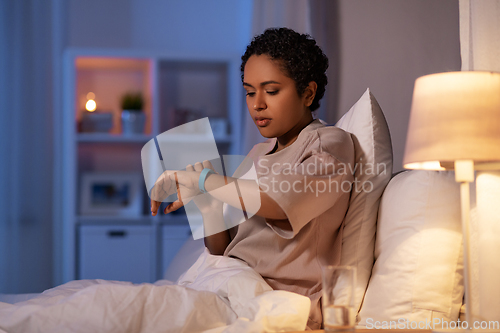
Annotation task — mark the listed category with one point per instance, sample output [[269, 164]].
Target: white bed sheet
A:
[[217, 294]]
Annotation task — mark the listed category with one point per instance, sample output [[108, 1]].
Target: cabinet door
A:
[[118, 252], [173, 237]]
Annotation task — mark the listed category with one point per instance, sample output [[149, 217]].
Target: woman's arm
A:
[[218, 243], [257, 202]]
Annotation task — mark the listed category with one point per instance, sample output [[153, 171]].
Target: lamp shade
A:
[[454, 116]]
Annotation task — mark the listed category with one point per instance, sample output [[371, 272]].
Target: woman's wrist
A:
[[204, 174]]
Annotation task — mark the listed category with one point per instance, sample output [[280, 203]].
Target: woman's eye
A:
[[272, 92], [250, 93]]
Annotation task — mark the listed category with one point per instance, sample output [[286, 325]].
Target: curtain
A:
[[480, 51], [480, 34], [314, 17], [26, 148]]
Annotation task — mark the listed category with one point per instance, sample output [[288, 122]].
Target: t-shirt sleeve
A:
[[310, 187]]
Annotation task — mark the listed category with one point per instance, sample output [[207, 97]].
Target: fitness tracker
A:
[[203, 177]]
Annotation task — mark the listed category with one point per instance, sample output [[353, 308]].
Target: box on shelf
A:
[[96, 122]]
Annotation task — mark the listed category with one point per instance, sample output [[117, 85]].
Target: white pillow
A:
[[372, 142], [417, 274]]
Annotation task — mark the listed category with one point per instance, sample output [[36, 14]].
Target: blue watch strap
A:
[[203, 177]]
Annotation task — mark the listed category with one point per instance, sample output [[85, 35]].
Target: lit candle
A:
[[91, 104]]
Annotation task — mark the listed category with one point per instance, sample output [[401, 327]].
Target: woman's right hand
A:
[[184, 183]]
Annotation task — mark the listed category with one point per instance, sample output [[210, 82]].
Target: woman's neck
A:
[[291, 136]]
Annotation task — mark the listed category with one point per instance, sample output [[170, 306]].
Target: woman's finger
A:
[[154, 207], [189, 167], [208, 165], [172, 207], [198, 166]]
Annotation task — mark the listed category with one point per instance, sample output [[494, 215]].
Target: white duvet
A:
[[217, 294]]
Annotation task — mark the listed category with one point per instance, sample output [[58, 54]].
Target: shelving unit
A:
[[101, 246]]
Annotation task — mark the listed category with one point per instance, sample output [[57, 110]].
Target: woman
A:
[[303, 179]]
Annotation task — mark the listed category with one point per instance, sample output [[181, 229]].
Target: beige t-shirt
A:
[[311, 181]]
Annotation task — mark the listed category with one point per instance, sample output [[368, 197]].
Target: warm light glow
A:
[[91, 105], [454, 116], [90, 95], [431, 165]]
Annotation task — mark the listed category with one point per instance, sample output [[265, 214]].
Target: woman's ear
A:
[[310, 93]]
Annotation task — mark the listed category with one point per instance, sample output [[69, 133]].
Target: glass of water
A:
[[339, 314]]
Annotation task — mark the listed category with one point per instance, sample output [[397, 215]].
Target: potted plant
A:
[[133, 117]]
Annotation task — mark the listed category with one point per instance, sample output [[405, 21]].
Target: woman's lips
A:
[[262, 121]]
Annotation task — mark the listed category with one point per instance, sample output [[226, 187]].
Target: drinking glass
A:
[[339, 314]]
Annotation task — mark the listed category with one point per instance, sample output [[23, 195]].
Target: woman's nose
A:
[[259, 102]]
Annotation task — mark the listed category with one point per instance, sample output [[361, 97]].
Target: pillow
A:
[[417, 274], [372, 142]]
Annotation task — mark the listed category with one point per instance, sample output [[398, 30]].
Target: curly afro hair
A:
[[299, 56]]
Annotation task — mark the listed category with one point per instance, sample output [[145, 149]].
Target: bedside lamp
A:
[[455, 125]]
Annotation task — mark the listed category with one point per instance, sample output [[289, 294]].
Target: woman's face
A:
[[273, 102]]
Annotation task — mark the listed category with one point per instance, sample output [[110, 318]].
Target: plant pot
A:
[[133, 122]]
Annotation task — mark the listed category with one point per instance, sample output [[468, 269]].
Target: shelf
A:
[[111, 138], [109, 78], [111, 219], [175, 219], [143, 138], [177, 88], [171, 219]]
